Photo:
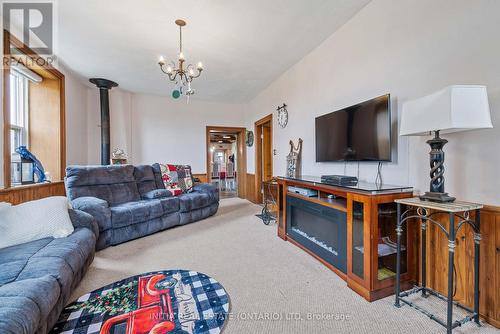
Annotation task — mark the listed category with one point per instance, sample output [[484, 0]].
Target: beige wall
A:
[[159, 129], [407, 48]]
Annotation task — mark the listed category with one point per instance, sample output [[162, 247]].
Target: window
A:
[[18, 121], [34, 116]]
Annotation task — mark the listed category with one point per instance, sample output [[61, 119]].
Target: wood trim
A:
[[241, 155], [6, 114], [23, 194], [201, 176], [8, 40], [258, 153]]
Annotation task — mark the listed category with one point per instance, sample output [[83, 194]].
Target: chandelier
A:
[[181, 75]]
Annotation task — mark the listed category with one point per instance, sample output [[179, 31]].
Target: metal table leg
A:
[[451, 253], [398, 255], [477, 239], [424, 255]]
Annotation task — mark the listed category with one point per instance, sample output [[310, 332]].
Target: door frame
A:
[[241, 155], [258, 154]]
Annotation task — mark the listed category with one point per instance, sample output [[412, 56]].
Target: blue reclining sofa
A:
[[129, 202], [37, 278]]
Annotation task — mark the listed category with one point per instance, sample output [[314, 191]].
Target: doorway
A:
[[263, 154], [226, 160]]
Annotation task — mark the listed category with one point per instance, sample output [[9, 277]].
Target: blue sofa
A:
[[38, 277], [129, 202]]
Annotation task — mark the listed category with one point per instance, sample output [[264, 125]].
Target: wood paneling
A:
[[489, 273], [203, 177], [251, 188], [44, 101], [23, 194]]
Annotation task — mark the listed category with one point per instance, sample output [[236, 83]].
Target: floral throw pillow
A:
[[170, 179], [185, 178]]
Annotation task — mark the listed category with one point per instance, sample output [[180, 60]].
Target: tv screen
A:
[[358, 133]]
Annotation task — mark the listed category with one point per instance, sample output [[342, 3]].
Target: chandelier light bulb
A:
[[161, 61], [200, 65], [181, 56]]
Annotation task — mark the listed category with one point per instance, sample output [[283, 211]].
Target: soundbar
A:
[[339, 180]]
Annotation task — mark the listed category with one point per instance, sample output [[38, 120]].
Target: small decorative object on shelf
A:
[[452, 109], [418, 209], [282, 115], [119, 157], [294, 160], [30, 167], [249, 139]]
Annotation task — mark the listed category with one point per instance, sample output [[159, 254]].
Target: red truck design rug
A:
[[172, 301]]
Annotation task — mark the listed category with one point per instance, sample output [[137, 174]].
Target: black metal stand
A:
[[421, 213]]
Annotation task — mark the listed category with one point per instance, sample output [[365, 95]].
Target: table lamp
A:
[[452, 109]]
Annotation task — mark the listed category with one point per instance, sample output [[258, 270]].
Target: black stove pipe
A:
[[104, 86]]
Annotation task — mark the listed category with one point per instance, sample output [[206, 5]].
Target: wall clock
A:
[[249, 139], [282, 116]]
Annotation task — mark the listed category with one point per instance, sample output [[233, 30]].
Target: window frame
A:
[[46, 70]]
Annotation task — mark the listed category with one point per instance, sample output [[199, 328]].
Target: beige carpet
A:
[[274, 286]]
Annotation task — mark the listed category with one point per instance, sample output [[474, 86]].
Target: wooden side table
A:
[[418, 209]]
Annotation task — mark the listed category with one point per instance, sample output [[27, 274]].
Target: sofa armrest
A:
[[82, 219], [157, 193], [209, 189], [97, 208]]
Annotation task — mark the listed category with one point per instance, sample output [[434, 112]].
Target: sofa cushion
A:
[[169, 204], [114, 184], [193, 201], [13, 259], [145, 177], [135, 212], [25, 304]]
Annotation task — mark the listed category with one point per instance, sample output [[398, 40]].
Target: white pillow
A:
[[34, 220]]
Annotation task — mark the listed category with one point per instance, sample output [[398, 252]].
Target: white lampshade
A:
[[452, 109]]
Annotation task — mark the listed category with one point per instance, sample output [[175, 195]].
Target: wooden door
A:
[[267, 159]]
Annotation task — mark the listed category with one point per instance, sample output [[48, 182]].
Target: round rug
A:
[[172, 301]]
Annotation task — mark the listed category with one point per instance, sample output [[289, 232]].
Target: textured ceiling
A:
[[244, 45]]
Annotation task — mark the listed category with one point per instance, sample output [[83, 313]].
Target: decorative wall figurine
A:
[[118, 157], [294, 160]]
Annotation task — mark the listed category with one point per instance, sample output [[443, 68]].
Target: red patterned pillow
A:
[[170, 179]]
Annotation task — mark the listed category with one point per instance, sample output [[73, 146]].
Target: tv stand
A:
[[351, 230]]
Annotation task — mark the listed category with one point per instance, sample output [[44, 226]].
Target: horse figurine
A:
[[294, 160]]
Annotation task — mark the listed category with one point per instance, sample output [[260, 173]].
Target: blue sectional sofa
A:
[[38, 277], [129, 202]]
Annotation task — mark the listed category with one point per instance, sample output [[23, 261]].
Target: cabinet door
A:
[[358, 239]]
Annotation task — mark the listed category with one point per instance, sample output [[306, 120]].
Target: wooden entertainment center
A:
[[351, 230]]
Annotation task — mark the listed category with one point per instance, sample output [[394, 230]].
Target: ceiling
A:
[[244, 44], [222, 137]]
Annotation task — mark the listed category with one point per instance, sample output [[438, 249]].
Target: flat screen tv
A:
[[358, 133]]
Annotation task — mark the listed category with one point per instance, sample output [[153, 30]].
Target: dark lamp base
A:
[[437, 197]]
